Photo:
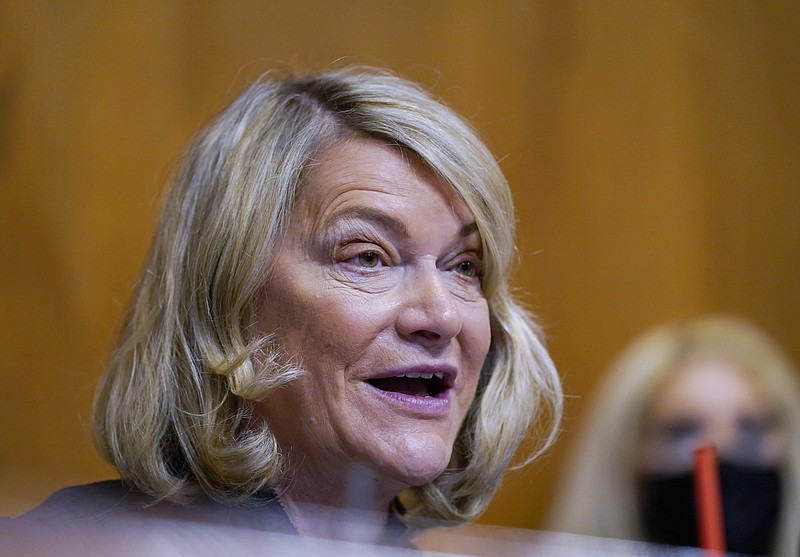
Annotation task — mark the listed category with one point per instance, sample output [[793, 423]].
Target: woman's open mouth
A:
[[412, 384]]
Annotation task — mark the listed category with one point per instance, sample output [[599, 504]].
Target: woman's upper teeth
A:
[[417, 375]]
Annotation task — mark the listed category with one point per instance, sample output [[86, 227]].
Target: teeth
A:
[[419, 375]]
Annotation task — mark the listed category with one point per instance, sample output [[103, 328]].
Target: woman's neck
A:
[[337, 523], [354, 509]]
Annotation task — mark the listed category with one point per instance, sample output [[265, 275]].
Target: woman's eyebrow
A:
[[369, 214], [392, 223], [468, 229]]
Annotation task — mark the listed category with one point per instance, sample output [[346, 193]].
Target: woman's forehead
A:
[[709, 384], [362, 171]]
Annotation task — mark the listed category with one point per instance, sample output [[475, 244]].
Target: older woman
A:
[[715, 380], [324, 320]]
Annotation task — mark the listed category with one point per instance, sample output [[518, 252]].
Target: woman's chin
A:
[[404, 459], [423, 466]]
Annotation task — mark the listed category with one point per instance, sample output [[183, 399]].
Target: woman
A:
[[324, 319], [717, 381]]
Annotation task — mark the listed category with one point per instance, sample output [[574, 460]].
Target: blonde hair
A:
[[598, 494], [172, 411]]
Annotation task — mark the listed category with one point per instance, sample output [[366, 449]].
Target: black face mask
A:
[[751, 501]]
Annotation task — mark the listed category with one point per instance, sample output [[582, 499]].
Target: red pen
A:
[[708, 501]]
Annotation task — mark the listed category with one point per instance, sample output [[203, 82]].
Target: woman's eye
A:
[[467, 268], [681, 430], [755, 426], [369, 259]]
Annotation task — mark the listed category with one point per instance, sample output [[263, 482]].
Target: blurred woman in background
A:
[[715, 380]]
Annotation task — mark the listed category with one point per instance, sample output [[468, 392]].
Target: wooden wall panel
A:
[[651, 147]]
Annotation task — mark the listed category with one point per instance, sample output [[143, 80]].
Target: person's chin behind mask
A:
[[751, 502]]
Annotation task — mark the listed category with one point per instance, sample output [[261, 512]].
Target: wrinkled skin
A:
[[379, 275]]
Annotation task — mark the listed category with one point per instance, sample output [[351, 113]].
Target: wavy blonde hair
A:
[[173, 410], [598, 489]]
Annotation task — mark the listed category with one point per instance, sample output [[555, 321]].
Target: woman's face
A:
[[376, 295], [710, 401]]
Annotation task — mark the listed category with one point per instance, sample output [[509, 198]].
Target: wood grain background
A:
[[653, 148]]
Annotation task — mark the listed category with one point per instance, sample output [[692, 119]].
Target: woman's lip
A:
[[426, 405]]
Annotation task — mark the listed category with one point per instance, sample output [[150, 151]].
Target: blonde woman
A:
[[714, 380], [324, 322]]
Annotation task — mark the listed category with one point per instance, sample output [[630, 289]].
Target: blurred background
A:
[[653, 149]]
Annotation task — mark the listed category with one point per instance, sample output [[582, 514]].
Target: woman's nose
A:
[[722, 436], [429, 312]]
